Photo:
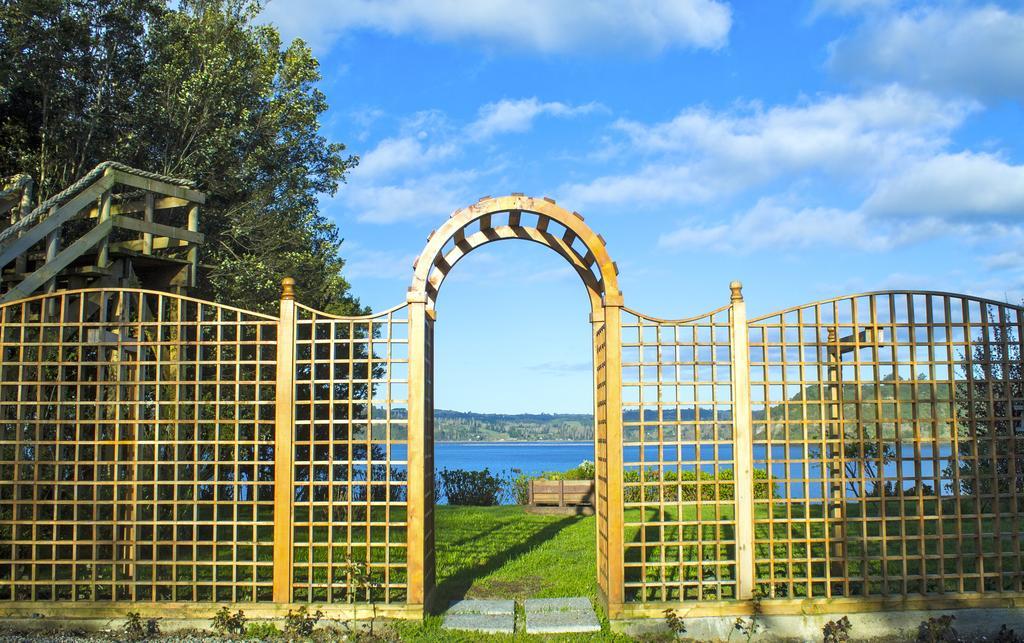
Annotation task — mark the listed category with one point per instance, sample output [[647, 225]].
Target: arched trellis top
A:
[[517, 217]]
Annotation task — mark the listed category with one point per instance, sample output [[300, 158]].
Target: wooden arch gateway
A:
[[540, 221]]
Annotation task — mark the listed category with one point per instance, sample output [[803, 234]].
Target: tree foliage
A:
[[196, 89], [989, 416]]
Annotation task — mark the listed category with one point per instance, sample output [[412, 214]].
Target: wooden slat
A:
[[158, 229], [160, 187], [52, 268], [37, 233]]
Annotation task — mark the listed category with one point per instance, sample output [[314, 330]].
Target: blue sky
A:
[[808, 149]]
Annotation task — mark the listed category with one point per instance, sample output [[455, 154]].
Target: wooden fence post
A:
[[193, 251], [284, 474], [613, 424], [416, 508], [103, 249], [743, 475]]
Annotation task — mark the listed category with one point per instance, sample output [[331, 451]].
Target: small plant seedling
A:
[[837, 631], [1006, 635], [360, 578], [300, 622], [674, 623], [749, 627], [134, 629], [938, 629], [224, 622]]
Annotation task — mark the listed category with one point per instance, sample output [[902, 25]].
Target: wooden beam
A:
[[103, 254], [139, 206], [284, 474], [147, 237], [193, 252], [52, 268], [157, 229], [153, 185], [138, 245], [743, 475], [416, 495], [64, 213], [613, 442], [52, 248]]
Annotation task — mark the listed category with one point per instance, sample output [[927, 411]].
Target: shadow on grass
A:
[[455, 587]]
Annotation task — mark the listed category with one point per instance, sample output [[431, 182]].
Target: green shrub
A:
[[262, 630], [476, 488], [519, 487], [688, 485], [583, 471]]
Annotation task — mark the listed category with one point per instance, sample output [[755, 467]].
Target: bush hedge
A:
[[685, 486]]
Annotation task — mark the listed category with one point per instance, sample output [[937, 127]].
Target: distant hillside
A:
[[456, 426]]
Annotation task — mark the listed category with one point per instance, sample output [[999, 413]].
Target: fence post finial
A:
[[737, 291], [287, 288]]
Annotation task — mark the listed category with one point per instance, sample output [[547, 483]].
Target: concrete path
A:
[[543, 616]]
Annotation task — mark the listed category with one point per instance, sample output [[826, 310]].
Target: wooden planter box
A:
[[561, 496]]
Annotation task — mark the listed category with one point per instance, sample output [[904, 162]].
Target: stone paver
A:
[[560, 615], [491, 617], [478, 606], [486, 623], [578, 603]]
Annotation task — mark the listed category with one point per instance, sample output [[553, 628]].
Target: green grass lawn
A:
[[504, 552]]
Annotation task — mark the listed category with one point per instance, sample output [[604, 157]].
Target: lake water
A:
[[532, 458], [501, 457]]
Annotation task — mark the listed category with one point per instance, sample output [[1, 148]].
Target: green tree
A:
[[989, 394], [199, 91]]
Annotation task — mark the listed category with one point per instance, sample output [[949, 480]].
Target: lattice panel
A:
[[136, 449], [351, 441], [891, 428], [601, 451], [677, 408]]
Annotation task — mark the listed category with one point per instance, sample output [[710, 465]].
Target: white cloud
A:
[[700, 155], [518, 115], [432, 195], [655, 183], [1011, 259], [773, 225], [541, 25], [977, 51], [964, 184], [847, 7], [393, 154], [367, 263], [778, 226]]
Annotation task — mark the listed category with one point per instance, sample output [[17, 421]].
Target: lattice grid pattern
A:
[[677, 410], [890, 426], [351, 440], [601, 450], [136, 449]]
